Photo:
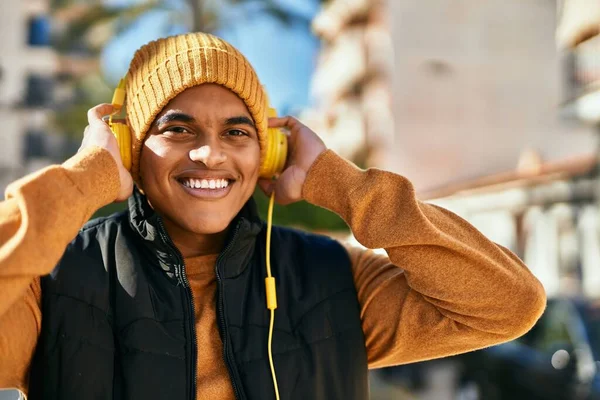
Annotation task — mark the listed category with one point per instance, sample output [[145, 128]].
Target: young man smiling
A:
[[167, 299]]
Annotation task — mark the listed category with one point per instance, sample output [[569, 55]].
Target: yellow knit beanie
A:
[[163, 68]]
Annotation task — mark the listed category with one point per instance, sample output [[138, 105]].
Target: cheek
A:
[[250, 163], [156, 157], [154, 163], [155, 148]]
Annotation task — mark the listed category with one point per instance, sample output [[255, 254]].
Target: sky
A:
[[283, 53]]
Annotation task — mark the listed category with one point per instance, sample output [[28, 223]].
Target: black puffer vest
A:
[[118, 318]]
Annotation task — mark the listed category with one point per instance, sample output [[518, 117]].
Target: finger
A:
[[96, 113], [284, 122]]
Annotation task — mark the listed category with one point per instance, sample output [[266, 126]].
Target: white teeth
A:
[[205, 183]]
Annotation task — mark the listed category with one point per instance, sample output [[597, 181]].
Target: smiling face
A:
[[200, 161]]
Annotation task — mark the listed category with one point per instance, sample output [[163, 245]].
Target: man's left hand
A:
[[304, 146]]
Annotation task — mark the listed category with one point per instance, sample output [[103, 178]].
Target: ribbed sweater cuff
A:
[[95, 174], [331, 181]]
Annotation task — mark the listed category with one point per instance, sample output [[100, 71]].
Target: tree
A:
[[80, 31]]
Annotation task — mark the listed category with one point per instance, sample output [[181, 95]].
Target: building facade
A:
[[27, 69]]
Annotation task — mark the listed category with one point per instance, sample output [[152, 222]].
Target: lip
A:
[[206, 194]]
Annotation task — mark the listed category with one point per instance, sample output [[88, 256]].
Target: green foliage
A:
[[301, 215], [91, 90], [110, 209], [96, 14]]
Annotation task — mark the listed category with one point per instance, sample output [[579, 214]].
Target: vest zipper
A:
[[181, 275], [227, 354]]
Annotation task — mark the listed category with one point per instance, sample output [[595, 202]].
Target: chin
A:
[[207, 226]]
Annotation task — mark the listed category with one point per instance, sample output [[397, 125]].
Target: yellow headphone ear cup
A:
[[280, 153], [276, 151], [123, 135], [275, 154], [121, 130]]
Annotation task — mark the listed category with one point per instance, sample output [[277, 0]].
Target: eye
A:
[[236, 133], [175, 131]]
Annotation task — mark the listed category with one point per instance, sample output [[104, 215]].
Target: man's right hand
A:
[[98, 133]]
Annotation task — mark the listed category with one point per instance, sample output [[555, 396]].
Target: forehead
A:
[[208, 99]]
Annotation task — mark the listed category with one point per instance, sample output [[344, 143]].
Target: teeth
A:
[[206, 183]]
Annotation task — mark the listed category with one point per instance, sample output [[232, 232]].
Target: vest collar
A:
[[239, 244]]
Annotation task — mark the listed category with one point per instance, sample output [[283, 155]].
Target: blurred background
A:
[[490, 107]]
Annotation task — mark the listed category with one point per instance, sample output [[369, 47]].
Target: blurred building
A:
[[548, 213], [36, 80], [578, 37], [27, 68], [352, 80], [496, 106], [475, 84]]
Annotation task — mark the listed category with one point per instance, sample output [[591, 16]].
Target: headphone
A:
[[276, 143], [272, 164]]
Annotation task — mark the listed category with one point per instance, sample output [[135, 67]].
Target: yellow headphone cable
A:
[[271, 292]]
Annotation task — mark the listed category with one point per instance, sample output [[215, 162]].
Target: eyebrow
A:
[[175, 116], [171, 116], [240, 120]]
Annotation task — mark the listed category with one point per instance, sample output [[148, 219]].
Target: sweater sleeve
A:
[[42, 213], [442, 289]]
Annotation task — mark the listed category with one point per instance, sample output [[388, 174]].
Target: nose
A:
[[211, 156]]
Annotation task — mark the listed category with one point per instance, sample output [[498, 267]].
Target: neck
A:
[[191, 244]]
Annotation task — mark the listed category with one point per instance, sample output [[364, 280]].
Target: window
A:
[[39, 31], [35, 145], [39, 92]]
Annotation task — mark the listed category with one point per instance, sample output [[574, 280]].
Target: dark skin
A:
[[206, 132]]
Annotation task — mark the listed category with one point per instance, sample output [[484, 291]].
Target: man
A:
[[167, 299]]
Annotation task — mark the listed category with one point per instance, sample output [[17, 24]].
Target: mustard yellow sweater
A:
[[445, 288]]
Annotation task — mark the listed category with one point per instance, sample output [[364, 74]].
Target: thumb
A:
[[288, 187]]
